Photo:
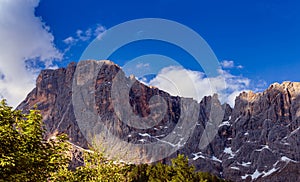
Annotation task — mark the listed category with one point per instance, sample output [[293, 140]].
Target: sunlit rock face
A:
[[95, 103]]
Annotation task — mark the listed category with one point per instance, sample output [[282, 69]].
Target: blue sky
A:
[[258, 39], [263, 36]]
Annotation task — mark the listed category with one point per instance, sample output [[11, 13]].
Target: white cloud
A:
[[23, 37], [99, 31], [194, 84], [143, 65], [240, 67], [69, 40], [182, 82], [227, 64], [85, 35]]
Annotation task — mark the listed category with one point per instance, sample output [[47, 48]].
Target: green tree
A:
[[138, 173], [181, 169], [96, 168], [24, 154], [159, 172]]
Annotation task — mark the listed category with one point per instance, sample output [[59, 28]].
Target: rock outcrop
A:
[[257, 140], [265, 135]]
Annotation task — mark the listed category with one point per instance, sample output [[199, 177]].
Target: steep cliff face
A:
[[259, 139], [265, 135], [53, 96]]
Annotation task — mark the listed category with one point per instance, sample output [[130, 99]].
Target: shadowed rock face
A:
[[265, 134], [259, 139]]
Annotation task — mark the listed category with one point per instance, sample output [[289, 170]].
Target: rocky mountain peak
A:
[[257, 140]]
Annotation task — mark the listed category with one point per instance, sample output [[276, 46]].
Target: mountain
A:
[[257, 140]]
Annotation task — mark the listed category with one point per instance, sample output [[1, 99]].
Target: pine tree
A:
[[24, 154], [182, 171]]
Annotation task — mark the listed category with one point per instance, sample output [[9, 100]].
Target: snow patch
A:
[[198, 155], [144, 135], [235, 168], [142, 140], [159, 136], [214, 158], [295, 131], [286, 159], [237, 119], [263, 147], [245, 164], [229, 151], [270, 172], [178, 145], [225, 123], [255, 175]]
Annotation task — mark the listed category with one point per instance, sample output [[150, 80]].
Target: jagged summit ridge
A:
[[257, 140]]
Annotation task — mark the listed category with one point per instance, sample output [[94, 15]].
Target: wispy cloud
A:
[[85, 35], [143, 65], [240, 67], [99, 31], [228, 64], [23, 37], [69, 40]]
